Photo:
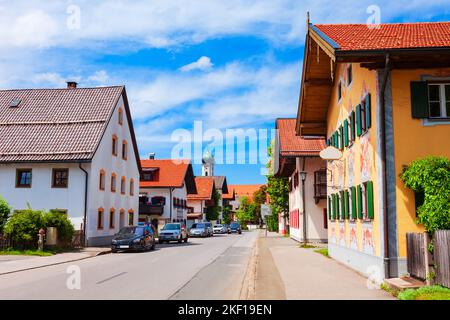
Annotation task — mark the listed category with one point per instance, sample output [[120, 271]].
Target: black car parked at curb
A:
[[235, 227], [137, 238]]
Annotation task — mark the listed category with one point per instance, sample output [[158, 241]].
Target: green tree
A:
[[214, 211], [259, 198], [246, 211], [62, 223], [429, 178], [23, 227], [5, 210], [226, 215]]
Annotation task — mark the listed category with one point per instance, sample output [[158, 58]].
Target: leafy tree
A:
[[5, 210], [62, 223], [214, 211], [246, 211], [23, 227], [259, 198], [226, 215], [430, 178]]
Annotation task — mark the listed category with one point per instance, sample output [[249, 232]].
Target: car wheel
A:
[[153, 246], [186, 240]]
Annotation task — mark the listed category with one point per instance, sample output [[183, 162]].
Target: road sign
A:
[[266, 210]]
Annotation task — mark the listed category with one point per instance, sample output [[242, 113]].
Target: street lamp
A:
[[303, 178]]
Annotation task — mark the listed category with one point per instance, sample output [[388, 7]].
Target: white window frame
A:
[[365, 215], [350, 205], [442, 100]]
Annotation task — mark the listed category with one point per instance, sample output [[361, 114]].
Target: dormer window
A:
[[149, 174]]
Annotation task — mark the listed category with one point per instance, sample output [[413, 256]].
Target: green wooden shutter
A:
[[352, 125], [334, 206], [336, 139], [368, 111], [419, 99], [353, 191], [328, 142], [346, 204], [358, 120], [329, 208], [346, 132], [369, 194], [360, 204], [341, 137]]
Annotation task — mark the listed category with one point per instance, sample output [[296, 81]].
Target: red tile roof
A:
[[205, 186], [351, 37], [229, 195], [171, 173], [292, 145], [245, 190], [54, 124]]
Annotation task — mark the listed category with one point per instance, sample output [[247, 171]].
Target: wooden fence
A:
[[441, 253], [415, 246]]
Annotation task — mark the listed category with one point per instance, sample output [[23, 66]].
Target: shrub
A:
[[5, 210], [62, 223], [244, 226], [23, 227], [430, 177], [425, 293], [272, 223]]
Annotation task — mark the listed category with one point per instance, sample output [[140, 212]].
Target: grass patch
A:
[[12, 252], [388, 289], [425, 293], [323, 251], [307, 246]]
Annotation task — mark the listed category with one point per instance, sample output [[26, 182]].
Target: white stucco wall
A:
[[180, 193], [103, 159], [41, 195], [314, 212]]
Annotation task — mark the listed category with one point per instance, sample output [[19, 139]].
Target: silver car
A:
[[220, 228], [199, 230], [173, 232]]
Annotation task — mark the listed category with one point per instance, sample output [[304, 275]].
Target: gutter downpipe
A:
[[305, 235], [86, 174], [387, 70]]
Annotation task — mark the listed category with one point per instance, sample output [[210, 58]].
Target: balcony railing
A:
[[151, 209]]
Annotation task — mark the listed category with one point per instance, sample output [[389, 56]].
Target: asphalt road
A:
[[209, 268]]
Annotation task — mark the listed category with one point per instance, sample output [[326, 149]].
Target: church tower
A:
[[208, 164]]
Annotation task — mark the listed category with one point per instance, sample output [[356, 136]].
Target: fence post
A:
[[428, 259]]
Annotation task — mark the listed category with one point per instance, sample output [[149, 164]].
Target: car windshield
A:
[[172, 226], [198, 226], [132, 230], [218, 226], [235, 225]]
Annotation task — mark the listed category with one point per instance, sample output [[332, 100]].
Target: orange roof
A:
[[353, 37], [292, 145], [205, 187], [229, 195], [245, 190], [171, 173]]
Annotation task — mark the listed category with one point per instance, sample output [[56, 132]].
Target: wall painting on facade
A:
[[353, 238], [365, 157], [342, 234], [368, 245], [333, 235]]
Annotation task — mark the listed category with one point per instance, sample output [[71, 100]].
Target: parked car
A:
[[235, 227], [220, 228], [210, 228], [228, 228], [173, 232], [199, 230], [139, 238]]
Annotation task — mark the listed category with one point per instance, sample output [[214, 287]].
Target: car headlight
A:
[[114, 242]]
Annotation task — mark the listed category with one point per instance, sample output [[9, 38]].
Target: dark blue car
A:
[[137, 238], [235, 227]]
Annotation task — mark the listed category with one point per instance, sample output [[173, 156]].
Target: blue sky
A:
[[229, 64]]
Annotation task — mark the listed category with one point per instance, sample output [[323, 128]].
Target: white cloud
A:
[[203, 63], [49, 78], [100, 77]]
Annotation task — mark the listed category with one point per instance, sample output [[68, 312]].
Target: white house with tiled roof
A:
[[73, 150]]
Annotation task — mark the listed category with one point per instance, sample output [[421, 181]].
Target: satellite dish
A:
[[330, 153]]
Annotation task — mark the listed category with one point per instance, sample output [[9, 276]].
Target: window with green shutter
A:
[[334, 207], [358, 120], [329, 208], [369, 197], [367, 106], [341, 137], [352, 126], [346, 133], [353, 196], [347, 207], [419, 99], [360, 201], [342, 205]]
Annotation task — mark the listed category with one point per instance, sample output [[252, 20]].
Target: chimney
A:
[[71, 84], [151, 156]]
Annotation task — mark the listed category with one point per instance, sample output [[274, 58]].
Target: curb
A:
[[248, 288], [55, 263]]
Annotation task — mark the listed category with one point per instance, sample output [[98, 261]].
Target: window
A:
[[131, 187], [349, 75], [349, 129], [363, 116], [124, 150], [325, 220], [320, 184], [113, 182], [123, 186], [148, 174], [101, 181], [100, 220], [130, 217], [339, 91], [439, 100], [365, 201], [114, 145], [120, 116], [121, 218], [60, 178], [350, 205], [112, 217], [23, 178]]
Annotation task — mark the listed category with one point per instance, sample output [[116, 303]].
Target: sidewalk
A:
[[286, 271], [11, 264]]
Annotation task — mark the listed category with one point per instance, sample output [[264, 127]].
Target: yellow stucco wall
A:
[[349, 172], [412, 140]]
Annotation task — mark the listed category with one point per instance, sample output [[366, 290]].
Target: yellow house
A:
[[380, 94]]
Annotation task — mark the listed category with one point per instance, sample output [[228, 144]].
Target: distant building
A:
[[74, 151], [293, 157], [163, 189], [200, 202]]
